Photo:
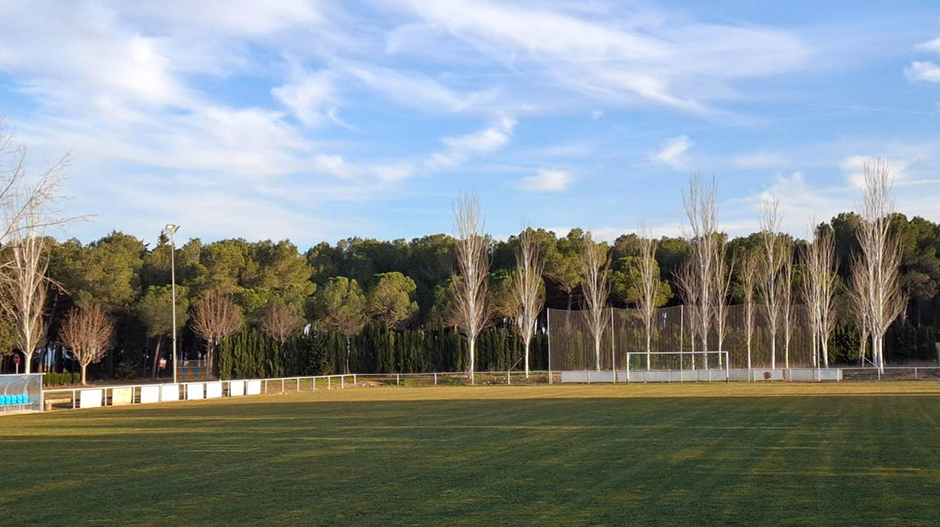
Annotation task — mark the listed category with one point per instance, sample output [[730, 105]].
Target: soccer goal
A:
[[676, 366]]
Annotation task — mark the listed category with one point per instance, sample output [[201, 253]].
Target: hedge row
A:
[[373, 350]]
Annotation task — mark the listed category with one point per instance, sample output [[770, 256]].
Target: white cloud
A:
[[853, 168], [641, 55], [933, 46], [546, 181], [418, 91], [311, 96], [923, 71], [597, 114], [485, 141], [672, 152]]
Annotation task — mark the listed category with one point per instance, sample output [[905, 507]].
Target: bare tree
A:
[[773, 253], [686, 278], [750, 271], [880, 254], [827, 284], [701, 209], [647, 288], [280, 321], [528, 288], [595, 287], [723, 272], [786, 299], [470, 276], [26, 211], [215, 317], [86, 332], [819, 286]]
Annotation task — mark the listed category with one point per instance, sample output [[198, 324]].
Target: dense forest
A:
[[383, 306]]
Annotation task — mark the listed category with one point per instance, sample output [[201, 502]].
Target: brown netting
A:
[[571, 345]]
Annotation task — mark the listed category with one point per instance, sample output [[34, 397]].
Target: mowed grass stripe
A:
[[724, 454]]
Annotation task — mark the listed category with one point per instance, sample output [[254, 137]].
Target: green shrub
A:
[[61, 379]]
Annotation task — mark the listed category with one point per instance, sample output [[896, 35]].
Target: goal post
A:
[[677, 366]]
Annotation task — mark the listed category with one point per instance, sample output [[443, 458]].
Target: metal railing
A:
[[69, 398], [456, 377]]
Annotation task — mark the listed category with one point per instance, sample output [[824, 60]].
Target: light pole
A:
[[169, 231]]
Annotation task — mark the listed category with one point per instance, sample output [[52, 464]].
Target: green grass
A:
[[850, 454]]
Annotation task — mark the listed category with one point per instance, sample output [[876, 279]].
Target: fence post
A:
[[435, 379], [342, 382], [298, 384], [74, 401], [915, 373], [354, 379], [329, 383], [508, 378], [397, 379]]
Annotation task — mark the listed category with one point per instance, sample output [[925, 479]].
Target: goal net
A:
[[676, 366]]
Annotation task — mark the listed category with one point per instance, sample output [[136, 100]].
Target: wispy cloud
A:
[[672, 152], [646, 55], [546, 181], [460, 148]]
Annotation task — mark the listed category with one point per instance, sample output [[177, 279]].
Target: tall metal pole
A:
[[173, 287], [170, 230]]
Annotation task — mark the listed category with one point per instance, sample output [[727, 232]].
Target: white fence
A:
[[98, 396], [891, 373]]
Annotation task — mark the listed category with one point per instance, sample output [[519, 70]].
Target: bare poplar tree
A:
[[280, 321], [819, 286], [595, 288], [859, 285], [648, 285], [215, 317], [686, 278], [750, 271], [86, 332], [470, 275], [528, 288], [723, 272], [701, 209], [773, 254], [26, 212], [786, 298], [880, 254], [827, 284]]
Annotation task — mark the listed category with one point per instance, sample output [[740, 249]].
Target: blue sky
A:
[[316, 120]]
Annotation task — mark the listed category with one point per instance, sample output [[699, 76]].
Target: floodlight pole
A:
[[170, 230]]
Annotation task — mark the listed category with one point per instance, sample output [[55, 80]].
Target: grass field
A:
[[738, 454]]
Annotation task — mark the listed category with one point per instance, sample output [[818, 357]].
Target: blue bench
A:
[[12, 400]]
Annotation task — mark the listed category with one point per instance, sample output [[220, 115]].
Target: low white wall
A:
[[254, 387], [122, 396], [236, 388], [213, 390], [149, 394], [195, 391], [90, 398], [813, 374], [170, 392]]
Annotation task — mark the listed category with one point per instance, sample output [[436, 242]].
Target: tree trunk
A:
[[347, 355], [84, 368], [526, 351], [472, 346], [156, 357], [648, 349]]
